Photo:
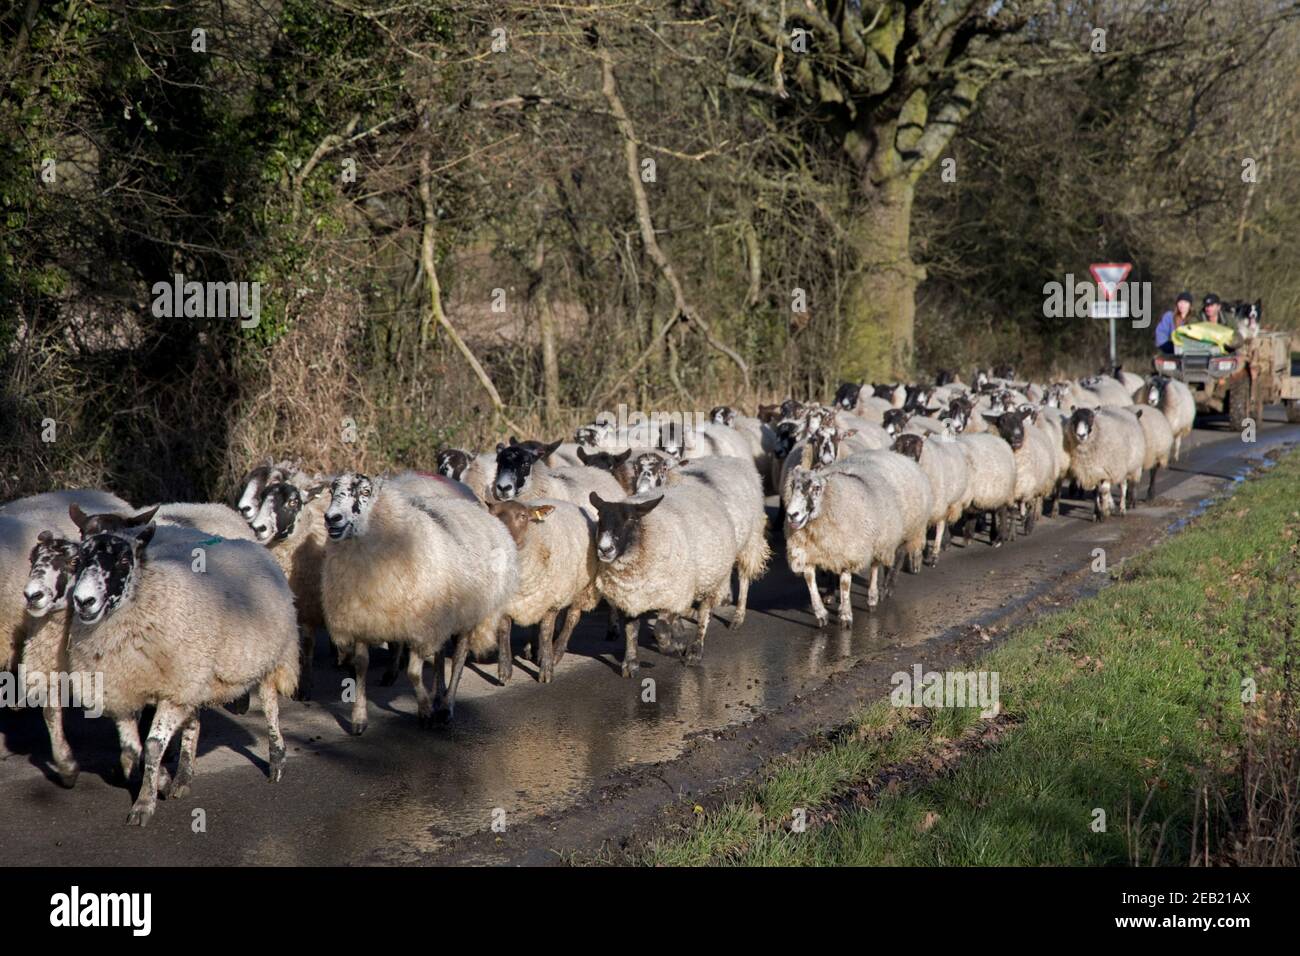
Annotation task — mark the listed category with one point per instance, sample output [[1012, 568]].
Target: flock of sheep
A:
[[185, 606]]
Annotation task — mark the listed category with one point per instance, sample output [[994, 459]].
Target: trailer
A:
[[1239, 382]]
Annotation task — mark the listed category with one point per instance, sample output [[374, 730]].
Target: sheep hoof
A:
[[140, 815], [180, 788], [737, 619], [441, 717], [505, 670], [68, 776], [664, 637], [630, 668], [545, 675], [693, 654], [930, 560], [846, 621], [358, 727], [822, 619]]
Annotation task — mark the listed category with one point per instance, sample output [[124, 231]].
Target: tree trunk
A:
[[880, 301]]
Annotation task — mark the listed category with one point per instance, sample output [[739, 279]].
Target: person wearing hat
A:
[[1210, 308], [1180, 314]]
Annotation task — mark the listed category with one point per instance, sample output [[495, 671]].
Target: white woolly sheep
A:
[[520, 474], [57, 502], [1035, 462], [1107, 447], [909, 491], [664, 554], [841, 522], [557, 570], [415, 571], [993, 483], [739, 491], [476, 472], [164, 634], [1175, 399], [945, 465], [1159, 442]]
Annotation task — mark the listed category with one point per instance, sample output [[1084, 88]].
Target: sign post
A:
[[1109, 276]]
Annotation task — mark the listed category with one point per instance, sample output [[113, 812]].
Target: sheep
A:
[[255, 483], [520, 474], [415, 571], [1159, 442], [740, 493], [664, 554], [605, 435], [993, 482], [557, 570], [909, 490], [52, 567], [946, 467], [477, 472], [1035, 462], [1051, 421], [165, 635], [1133, 384], [1107, 447], [1175, 399], [290, 523], [618, 465], [703, 440], [1107, 390], [214, 519], [854, 397], [829, 438], [896, 421], [842, 522], [424, 484], [759, 435], [58, 502]]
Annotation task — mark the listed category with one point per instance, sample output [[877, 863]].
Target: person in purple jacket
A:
[[1180, 314]]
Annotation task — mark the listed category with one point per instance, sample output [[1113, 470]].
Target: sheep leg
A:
[[180, 785], [1151, 485], [571, 617], [128, 736], [665, 631], [439, 678], [546, 648], [891, 577], [1103, 500], [64, 762], [1031, 516], [631, 631], [443, 714], [614, 628], [276, 749], [694, 652], [166, 720], [1123, 497], [873, 585], [306, 655], [394, 666], [360, 665], [742, 600], [505, 653], [815, 598], [932, 547], [423, 704], [846, 599]]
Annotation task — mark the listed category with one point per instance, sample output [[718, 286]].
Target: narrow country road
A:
[[401, 794]]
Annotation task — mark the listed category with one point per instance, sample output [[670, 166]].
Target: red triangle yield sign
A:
[[1109, 275]]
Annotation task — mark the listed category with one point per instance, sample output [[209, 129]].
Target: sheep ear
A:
[[45, 537], [645, 507], [597, 501], [553, 447], [145, 536], [620, 459], [514, 440], [582, 456], [500, 447], [79, 517], [144, 517], [1138, 413], [541, 512], [991, 419], [678, 463], [311, 494]]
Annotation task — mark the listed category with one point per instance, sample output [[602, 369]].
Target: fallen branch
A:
[[435, 292]]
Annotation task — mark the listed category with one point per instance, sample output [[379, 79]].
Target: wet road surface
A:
[[400, 794]]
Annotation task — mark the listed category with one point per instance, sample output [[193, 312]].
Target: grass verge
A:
[[1152, 723]]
